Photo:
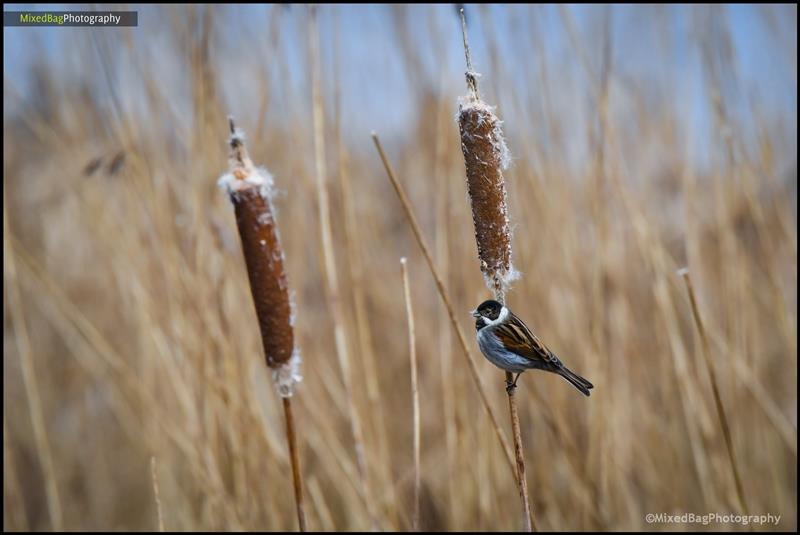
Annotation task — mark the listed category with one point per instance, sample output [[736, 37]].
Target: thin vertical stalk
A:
[[156, 494], [294, 456], [412, 352], [723, 419], [688, 395], [520, 458], [472, 83]]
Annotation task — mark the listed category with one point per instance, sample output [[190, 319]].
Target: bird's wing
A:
[[517, 338]]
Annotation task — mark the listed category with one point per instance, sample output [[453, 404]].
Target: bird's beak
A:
[[475, 314]]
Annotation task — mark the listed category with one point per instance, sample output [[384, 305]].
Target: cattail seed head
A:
[[250, 190], [485, 157]]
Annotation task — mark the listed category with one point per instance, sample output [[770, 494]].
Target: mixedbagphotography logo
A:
[[706, 519], [71, 18]]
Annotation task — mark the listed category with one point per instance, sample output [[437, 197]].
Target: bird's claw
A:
[[510, 386]]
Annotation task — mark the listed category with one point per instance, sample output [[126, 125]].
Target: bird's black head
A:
[[489, 309], [486, 312]]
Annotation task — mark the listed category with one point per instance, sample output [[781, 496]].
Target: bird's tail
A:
[[577, 381]]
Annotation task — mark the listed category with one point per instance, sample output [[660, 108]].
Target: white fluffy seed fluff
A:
[[504, 277], [260, 177], [243, 174], [287, 375]]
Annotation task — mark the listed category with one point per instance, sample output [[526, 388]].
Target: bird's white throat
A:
[[500, 319]]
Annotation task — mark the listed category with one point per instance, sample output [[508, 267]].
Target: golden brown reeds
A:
[[354, 238], [29, 376], [723, 418], [250, 191], [127, 293], [485, 157], [329, 263]]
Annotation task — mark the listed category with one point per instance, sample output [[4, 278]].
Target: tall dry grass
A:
[[131, 282]]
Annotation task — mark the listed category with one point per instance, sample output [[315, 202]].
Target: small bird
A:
[[508, 344]]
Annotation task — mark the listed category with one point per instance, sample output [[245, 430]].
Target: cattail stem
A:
[[472, 82], [412, 352], [723, 419], [250, 191], [520, 458], [473, 370], [294, 456]]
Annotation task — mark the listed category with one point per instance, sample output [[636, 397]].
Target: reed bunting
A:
[[508, 344]]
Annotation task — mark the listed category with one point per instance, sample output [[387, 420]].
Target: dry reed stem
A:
[[485, 157], [471, 75], [412, 219], [523, 483], [156, 495], [31, 384], [723, 419], [250, 191], [294, 455], [323, 512], [688, 399], [412, 353], [329, 258]]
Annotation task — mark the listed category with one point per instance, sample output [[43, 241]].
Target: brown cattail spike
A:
[[485, 157], [250, 189], [267, 279]]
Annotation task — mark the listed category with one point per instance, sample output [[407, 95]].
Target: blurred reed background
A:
[[644, 139]]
